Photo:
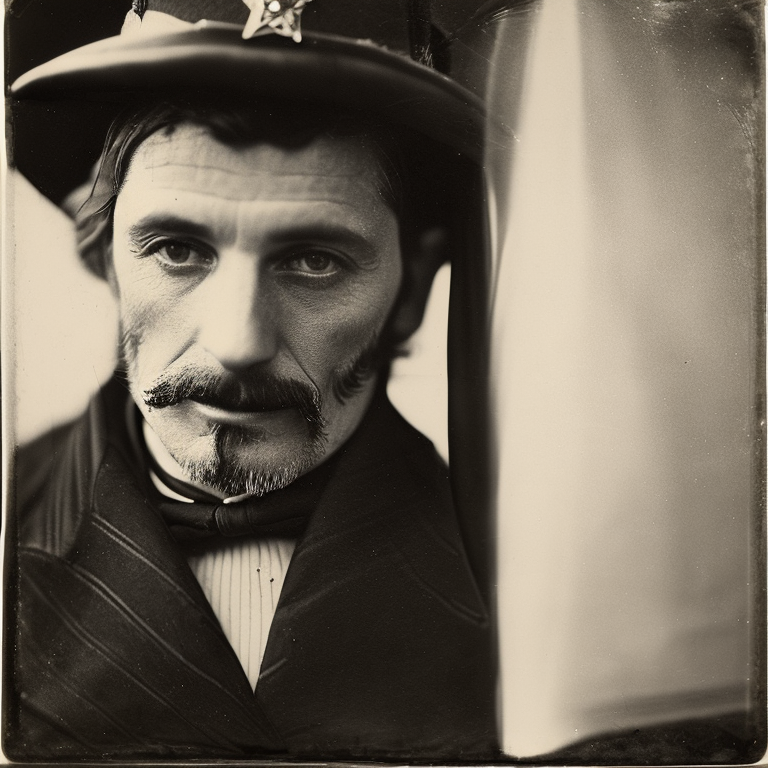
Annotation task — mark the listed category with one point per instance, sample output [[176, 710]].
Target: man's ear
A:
[[420, 263]]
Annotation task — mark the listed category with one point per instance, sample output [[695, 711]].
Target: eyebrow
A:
[[169, 223], [320, 231], [326, 232]]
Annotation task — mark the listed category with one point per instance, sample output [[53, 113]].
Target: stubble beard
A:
[[223, 469], [228, 459]]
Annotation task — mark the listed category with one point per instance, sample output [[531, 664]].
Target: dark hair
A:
[[401, 157]]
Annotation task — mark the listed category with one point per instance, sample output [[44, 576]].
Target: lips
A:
[[242, 404], [267, 419]]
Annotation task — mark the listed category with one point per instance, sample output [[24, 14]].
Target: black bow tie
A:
[[284, 512]]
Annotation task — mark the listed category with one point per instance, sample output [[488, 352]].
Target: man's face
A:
[[253, 282]]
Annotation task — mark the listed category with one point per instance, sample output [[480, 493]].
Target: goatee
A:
[[216, 460]]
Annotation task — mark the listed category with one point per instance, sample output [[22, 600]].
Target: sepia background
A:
[[626, 359]]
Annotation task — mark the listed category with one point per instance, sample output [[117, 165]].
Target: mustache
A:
[[255, 391]]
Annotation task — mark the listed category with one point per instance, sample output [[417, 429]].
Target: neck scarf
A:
[[283, 512]]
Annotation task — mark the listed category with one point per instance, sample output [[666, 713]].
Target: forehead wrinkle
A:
[[253, 172], [192, 146], [348, 201], [352, 191], [192, 165]]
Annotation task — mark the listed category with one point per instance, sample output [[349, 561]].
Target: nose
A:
[[238, 326]]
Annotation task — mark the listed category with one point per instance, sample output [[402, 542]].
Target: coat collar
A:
[[379, 617], [118, 645], [378, 620]]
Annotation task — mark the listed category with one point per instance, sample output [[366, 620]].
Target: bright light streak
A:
[[536, 343]]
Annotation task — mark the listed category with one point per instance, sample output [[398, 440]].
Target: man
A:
[[241, 549]]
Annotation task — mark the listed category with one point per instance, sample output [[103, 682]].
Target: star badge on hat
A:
[[280, 16]]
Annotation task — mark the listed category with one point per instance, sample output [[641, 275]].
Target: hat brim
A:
[[322, 69]]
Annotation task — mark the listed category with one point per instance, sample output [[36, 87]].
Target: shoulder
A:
[[53, 475], [38, 469], [389, 467], [392, 487], [398, 444], [33, 461]]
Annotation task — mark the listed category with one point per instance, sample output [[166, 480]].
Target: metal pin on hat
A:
[[280, 16]]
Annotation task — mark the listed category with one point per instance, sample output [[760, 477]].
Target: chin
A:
[[262, 465], [234, 461]]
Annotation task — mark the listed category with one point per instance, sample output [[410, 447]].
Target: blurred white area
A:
[[64, 327], [418, 386], [64, 330], [624, 359]]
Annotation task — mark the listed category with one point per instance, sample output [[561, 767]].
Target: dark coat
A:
[[380, 646]]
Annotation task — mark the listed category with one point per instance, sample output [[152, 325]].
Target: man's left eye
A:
[[313, 263]]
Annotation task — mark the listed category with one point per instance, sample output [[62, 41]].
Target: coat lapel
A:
[[380, 645], [119, 648]]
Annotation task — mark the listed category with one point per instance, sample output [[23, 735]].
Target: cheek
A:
[[325, 340], [153, 325]]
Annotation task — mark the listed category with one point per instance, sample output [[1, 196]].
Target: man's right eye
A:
[[175, 253]]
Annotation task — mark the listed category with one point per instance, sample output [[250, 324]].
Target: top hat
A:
[[387, 57]]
